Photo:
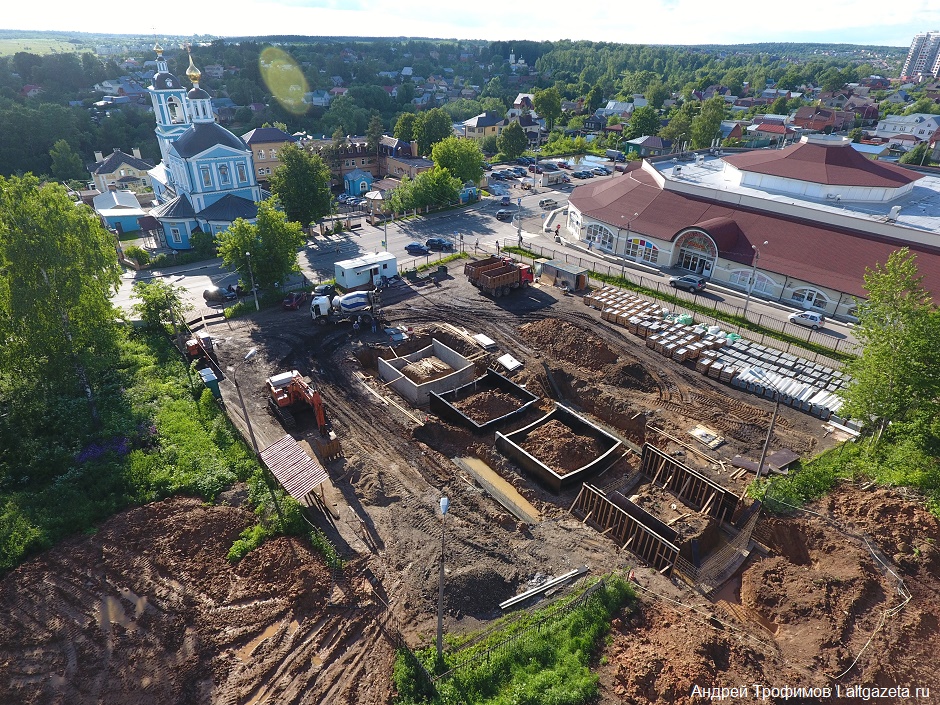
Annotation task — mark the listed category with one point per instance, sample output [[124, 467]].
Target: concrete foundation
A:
[[418, 392], [510, 446], [442, 404]]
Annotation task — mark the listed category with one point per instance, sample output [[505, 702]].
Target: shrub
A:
[[250, 539], [138, 255]]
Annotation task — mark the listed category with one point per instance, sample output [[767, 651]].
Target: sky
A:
[[644, 22]]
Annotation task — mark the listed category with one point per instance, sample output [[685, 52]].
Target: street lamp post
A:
[[241, 400], [445, 503], [760, 374], [752, 279], [251, 274]]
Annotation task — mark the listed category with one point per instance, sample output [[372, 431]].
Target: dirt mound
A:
[[568, 343], [560, 448], [631, 375], [150, 610], [488, 405]]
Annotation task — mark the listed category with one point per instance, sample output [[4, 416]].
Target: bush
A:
[[250, 539], [138, 255]]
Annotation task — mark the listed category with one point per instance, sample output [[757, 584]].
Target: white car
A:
[[810, 319]]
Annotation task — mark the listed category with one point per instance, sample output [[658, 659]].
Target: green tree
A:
[[437, 187], [58, 270], [66, 164], [656, 94], [679, 129], [374, 134], [644, 121], [160, 304], [461, 157], [594, 98], [919, 155], [302, 185], [488, 145], [706, 125], [272, 242], [855, 134], [405, 127], [512, 141], [430, 128], [898, 372], [547, 104]]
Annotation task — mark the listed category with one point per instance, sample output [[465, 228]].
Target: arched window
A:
[[762, 282], [640, 249], [223, 175], [810, 298], [175, 110], [600, 236]]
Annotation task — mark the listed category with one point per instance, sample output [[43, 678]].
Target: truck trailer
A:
[[497, 276]]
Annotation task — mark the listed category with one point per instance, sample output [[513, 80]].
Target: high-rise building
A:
[[923, 58]]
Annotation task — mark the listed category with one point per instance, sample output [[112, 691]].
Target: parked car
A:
[[215, 295], [438, 243], [503, 214], [416, 248], [505, 201], [549, 166], [689, 282], [324, 290], [810, 319], [600, 171], [523, 161], [563, 165], [293, 300]]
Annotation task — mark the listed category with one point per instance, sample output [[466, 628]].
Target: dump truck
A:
[[288, 394], [498, 276], [357, 306]]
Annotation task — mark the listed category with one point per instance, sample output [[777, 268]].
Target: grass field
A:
[[10, 46]]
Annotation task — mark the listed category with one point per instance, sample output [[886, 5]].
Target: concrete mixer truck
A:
[[358, 306]]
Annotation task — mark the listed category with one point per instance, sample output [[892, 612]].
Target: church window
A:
[[206, 176], [223, 175], [242, 174], [175, 235]]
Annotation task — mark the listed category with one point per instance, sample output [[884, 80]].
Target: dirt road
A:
[[149, 610]]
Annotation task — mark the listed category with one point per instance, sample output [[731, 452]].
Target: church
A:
[[206, 178]]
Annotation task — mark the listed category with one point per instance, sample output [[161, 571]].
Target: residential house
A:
[[482, 125], [714, 90], [30, 90], [899, 97], [524, 101], [224, 109], [746, 103], [865, 108], [338, 91], [120, 210], [811, 117], [213, 71], [648, 146], [400, 158], [731, 130], [357, 182], [774, 131], [120, 171], [921, 125], [265, 143], [834, 99], [319, 98], [337, 80], [595, 122], [391, 90]]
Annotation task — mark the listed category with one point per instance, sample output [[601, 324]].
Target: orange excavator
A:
[[290, 393]]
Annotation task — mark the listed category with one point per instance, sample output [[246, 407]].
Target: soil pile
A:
[[475, 591], [560, 448], [568, 343], [488, 405], [148, 610]]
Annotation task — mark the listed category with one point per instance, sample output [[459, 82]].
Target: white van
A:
[[548, 203]]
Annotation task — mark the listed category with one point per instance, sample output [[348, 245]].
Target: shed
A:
[[119, 209], [558, 273], [365, 272]]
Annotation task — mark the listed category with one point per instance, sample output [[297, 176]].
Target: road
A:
[[471, 228]]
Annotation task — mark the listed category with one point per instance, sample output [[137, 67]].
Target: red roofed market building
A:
[[825, 212]]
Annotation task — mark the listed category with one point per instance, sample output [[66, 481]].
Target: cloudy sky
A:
[[644, 22]]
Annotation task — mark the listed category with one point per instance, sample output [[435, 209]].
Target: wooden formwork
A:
[[630, 526], [693, 488]]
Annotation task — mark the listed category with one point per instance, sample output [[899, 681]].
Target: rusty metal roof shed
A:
[[297, 472]]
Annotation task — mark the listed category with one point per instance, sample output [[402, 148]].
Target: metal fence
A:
[[524, 635], [718, 567], [821, 339]]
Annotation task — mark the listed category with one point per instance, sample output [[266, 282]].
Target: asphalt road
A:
[[472, 228]]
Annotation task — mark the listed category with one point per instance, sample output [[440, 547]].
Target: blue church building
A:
[[206, 179]]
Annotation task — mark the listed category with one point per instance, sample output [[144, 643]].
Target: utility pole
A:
[[752, 279], [445, 503], [251, 274]]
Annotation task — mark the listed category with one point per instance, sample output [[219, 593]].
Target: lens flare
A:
[[284, 79]]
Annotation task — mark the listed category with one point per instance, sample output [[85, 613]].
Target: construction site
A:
[[568, 431]]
